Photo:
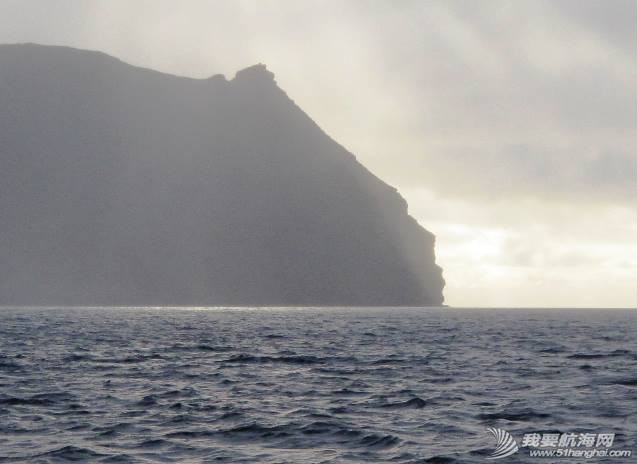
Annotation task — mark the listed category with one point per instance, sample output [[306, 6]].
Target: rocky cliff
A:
[[126, 186]]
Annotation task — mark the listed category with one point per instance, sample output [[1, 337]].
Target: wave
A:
[[523, 415], [440, 460], [628, 382], [10, 366], [379, 441], [201, 347], [43, 399], [413, 403], [252, 359], [137, 358], [71, 453], [612, 354]]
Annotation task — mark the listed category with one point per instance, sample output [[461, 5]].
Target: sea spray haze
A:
[[125, 186]]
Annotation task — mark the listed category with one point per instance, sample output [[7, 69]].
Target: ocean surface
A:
[[309, 385]]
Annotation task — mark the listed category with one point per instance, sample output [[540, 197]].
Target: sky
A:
[[508, 126]]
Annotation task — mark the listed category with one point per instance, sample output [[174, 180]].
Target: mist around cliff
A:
[[126, 186]]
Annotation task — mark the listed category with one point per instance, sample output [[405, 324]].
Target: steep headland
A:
[[125, 186]]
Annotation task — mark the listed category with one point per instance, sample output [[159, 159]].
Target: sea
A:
[[316, 385]]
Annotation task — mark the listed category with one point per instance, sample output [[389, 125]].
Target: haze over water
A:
[[307, 385]]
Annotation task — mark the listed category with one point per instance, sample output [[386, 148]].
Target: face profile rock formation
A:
[[125, 186]]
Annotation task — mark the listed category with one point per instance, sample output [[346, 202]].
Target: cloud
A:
[[520, 100], [610, 21]]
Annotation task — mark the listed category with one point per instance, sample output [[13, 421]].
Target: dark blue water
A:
[[308, 385]]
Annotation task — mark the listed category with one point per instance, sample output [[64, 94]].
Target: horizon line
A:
[[301, 307]]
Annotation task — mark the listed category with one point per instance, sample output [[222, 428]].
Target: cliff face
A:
[[125, 186]]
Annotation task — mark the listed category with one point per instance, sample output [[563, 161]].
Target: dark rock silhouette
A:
[[126, 186]]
